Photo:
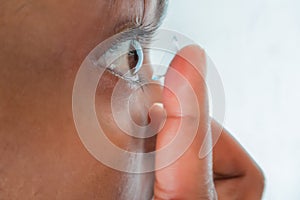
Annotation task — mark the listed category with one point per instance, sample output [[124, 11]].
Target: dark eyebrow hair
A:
[[142, 29]]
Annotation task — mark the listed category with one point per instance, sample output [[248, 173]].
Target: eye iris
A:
[[133, 59]]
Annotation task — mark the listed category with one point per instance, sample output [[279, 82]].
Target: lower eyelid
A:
[[107, 82]]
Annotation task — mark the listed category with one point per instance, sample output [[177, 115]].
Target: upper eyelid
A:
[[139, 31], [125, 26], [137, 34], [140, 28]]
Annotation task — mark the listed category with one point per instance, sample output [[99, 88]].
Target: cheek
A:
[[118, 105]]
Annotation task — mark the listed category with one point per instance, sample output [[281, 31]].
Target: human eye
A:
[[124, 60]]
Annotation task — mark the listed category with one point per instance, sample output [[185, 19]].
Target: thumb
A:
[[185, 103]]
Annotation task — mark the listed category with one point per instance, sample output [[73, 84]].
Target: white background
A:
[[256, 48]]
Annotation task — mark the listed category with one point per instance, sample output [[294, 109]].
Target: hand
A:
[[225, 173]]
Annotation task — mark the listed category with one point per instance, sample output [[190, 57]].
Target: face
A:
[[42, 45]]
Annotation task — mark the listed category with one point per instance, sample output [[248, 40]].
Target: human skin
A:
[[42, 44]]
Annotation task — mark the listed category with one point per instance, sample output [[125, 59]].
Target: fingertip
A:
[[191, 57], [156, 109], [157, 113], [157, 116], [184, 79]]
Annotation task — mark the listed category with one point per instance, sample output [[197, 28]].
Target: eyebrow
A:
[[142, 29]]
